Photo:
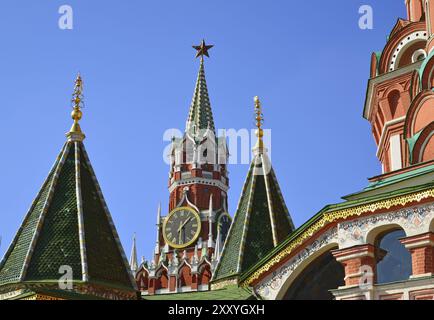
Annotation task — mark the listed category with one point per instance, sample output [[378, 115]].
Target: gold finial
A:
[[259, 121], [77, 105]]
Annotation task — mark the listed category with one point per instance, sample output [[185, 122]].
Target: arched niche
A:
[[375, 233], [317, 279], [162, 281], [394, 260], [423, 149], [204, 276], [142, 279], [184, 276], [420, 113], [285, 286]]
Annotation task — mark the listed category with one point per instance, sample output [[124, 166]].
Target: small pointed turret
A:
[[218, 244], [133, 257], [157, 241], [261, 221]]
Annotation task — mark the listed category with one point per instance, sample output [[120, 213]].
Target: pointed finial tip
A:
[[258, 112], [76, 114], [259, 121]]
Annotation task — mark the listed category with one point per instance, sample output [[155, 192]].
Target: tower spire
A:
[[200, 115], [75, 133], [157, 241], [133, 257]]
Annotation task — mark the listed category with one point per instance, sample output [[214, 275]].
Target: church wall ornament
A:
[[413, 220]]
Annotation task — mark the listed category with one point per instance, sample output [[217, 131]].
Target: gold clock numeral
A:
[[174, 240]]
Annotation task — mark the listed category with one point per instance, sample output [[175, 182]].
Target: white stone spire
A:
[[218, 244], [210, 240], [133, 257], [157, 242]]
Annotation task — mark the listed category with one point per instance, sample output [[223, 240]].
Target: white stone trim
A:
[[383, 133], [395, 152], [198, 180], [397, 52]]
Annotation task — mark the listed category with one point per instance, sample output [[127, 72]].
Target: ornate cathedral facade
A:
[[377, 244]]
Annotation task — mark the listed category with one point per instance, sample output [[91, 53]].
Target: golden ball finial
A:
[[76, 114], [77, 103]]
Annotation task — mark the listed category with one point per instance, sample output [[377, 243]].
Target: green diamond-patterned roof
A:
[[68, 224], [251, 235], [200, 115], [57, 243], [12, 265]]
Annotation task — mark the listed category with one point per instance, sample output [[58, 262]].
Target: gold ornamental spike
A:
[[259, 118], [77, 104]]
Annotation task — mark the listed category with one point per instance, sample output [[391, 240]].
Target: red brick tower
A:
[[191, 235], [400, 99]]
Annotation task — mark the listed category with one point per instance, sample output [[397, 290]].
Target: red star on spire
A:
[[202, 49]]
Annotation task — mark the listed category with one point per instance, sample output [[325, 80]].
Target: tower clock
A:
[[182, 227]]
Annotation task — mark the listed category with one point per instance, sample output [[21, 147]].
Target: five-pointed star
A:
[[202, 50]]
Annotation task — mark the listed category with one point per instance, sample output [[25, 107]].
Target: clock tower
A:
[[191, 235]]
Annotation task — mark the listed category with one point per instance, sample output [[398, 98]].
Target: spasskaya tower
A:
[[191, 235]]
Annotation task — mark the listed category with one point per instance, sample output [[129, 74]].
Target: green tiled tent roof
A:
[[261, 221], [68, 224], [200, 115]]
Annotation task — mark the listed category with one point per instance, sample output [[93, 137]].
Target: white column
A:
[[210, 241], [157, 242], [395, 152]]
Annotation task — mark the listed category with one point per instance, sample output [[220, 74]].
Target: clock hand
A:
[[183, 224]]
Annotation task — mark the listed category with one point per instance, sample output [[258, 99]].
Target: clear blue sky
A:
[[307, 60]]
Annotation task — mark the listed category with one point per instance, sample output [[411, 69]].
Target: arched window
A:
[[204, 275], [142, 280], [394, 260], [162, 280], [393, 99], [316, 281], [184, 276]]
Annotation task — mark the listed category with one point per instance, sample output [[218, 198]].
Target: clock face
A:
[[224, 223], [181, 227]]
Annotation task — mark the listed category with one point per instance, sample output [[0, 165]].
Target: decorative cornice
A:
[[203, 181], [330, 217]]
